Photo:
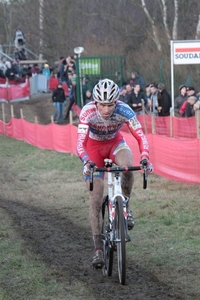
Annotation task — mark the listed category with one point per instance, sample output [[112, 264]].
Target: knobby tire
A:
[[121, 244], [108, 251]]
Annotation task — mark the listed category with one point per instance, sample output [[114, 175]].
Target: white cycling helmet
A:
[[106, 91]]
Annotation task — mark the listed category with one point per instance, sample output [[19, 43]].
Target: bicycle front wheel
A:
[[120, 240], [108, 250]]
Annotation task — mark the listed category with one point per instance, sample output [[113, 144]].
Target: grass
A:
[[165, 241], [21, 276]]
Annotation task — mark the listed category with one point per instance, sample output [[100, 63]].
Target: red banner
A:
[[11, 93]]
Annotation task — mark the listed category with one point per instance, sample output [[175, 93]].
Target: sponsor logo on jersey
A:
[[88, 112], [144, 139], [83, 128], [124, 110], [134, 123]]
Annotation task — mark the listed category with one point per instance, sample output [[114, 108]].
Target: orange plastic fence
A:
[[176, 159]]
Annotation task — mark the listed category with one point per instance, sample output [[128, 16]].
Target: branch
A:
[[151, 20], [175, 24], [198, 30], [164, 12]]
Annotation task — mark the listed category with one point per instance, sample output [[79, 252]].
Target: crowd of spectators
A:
[[187, 102], [16, 72], [149, 98], [154, 98]]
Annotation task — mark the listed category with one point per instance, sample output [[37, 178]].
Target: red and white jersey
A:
[[92, 125]]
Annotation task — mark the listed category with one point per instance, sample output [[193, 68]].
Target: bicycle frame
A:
[[115, 234], [114, 191]]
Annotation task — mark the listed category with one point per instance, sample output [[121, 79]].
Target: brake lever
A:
[[145, 173], [145, 177], [91, 175]]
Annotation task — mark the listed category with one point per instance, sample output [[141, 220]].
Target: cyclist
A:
[[99, 138]]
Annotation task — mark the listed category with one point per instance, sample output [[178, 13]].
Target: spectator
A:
[[16, 66], [136, 78], [164, 101], [129, 93], [190, 90], [62, 74], [35, 69], [46, 71], [178, 102], [152, 104], [88, 96], [122, 94], [72, 97], [20, 54], [59, 100], [137, 100], [69, 82], [3, 64], [2, 75], [89, 83], [140, 80], [19, 39], [190, 110], [26, 71], [71, 62], [61, 59], [197, 103], [119, 80], [11, 73], [132, 79], [147, 90]]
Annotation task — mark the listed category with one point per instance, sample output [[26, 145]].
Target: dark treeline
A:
[[138, 30]]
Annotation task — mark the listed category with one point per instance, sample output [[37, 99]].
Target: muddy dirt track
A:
[[54, 239], [70, 253]]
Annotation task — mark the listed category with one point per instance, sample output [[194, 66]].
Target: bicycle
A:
[[114, 211]]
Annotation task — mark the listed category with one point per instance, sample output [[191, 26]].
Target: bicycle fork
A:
[[114, 191]]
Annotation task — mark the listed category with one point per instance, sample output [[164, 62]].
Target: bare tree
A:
[[175, 23], [152, 23], [139, 30]]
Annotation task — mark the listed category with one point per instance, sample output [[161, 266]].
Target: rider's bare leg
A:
[[124, 158], [95, 211]]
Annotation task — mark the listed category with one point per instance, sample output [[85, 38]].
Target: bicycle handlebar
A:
[[118, 169]]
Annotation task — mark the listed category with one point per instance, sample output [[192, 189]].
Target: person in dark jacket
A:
[[178, 102], [128, 94], [137, 100], [164, 101], [190, 110], [72, 97], [11, 72], [59, 100]]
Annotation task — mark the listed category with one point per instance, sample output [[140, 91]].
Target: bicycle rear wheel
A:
[[120, 239], [108, 250]]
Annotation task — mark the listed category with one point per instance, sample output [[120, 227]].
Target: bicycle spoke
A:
[[108, 251], [120, 240]]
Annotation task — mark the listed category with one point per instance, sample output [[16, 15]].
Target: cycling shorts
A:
[[99, 150]]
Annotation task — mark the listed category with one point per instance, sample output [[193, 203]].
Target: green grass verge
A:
[[165, 241]]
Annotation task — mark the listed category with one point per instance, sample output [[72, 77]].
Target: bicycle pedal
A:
[[98, 266], [131, 224]]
